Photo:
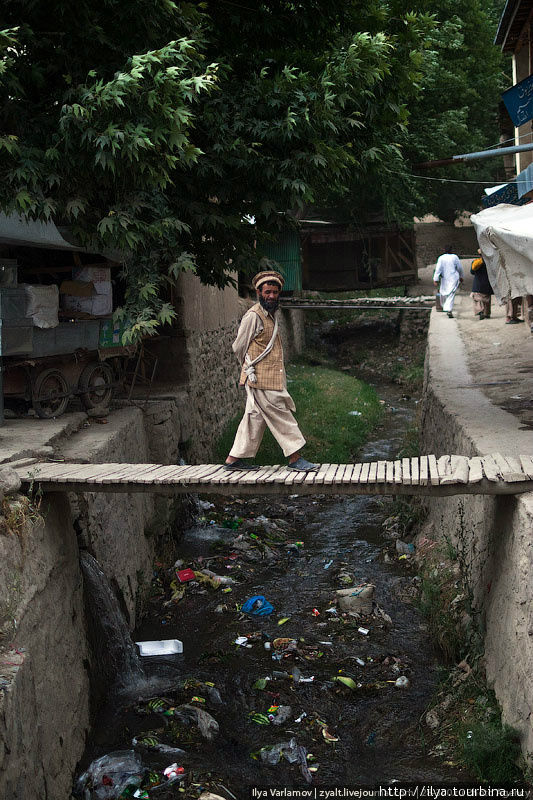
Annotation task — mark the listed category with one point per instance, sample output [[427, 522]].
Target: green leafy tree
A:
[[157, 128]]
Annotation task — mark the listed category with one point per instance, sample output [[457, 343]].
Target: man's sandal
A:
[[240, 465]]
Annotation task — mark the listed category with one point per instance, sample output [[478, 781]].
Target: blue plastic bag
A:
[[258, 606]]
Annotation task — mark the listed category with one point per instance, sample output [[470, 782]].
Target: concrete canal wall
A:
[[494, 533]]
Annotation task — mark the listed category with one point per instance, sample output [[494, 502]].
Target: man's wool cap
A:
[[270, 276]]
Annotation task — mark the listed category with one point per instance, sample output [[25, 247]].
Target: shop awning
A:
[[505, 236], [17, 232]]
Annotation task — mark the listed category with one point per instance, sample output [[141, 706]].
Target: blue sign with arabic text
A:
[[507, 194], [519, 101]]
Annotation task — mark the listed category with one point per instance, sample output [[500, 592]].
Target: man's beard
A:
[[269, 305]]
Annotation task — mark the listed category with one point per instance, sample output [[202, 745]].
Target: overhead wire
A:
[[452, 180]]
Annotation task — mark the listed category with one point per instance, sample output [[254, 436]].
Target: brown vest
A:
[[270, 371]]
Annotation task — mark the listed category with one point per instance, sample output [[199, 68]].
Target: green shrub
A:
[[491, 751]]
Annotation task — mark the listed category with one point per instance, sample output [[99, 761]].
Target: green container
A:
[[111, 333], [285, 251]]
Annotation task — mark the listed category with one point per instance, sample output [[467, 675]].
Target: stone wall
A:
[[44, 703], [494, 531], [432, 238]]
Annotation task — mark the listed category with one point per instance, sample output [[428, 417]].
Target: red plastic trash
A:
[[185, 575]]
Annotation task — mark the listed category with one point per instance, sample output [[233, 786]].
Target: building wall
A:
[[432, 238]]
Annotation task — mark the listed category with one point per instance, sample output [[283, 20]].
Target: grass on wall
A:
[[325, 399]]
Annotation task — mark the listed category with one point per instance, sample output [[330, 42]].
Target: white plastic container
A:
[[164, 647]]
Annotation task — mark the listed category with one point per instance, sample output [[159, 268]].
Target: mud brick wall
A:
[[432, 239]]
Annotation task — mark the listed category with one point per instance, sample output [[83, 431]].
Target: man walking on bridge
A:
[[260, 354]]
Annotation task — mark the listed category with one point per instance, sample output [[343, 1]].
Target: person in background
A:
[[528, 311], [512, 311], [450, 273], [481, 288]]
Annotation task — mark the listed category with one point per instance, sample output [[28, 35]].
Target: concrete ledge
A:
[[458, 417]]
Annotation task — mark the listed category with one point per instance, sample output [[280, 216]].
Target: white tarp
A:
[[505, 236]]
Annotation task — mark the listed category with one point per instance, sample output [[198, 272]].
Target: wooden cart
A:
[[47, 367]]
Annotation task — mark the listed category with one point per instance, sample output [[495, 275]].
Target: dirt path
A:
[[499, 356]]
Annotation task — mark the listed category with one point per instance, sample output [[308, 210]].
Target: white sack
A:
[[42, 305], [505, 236]]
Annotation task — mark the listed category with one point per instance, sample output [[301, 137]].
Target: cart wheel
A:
[[50, 394], [96, 385]]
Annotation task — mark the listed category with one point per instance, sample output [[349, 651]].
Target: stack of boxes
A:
[[100, 303]]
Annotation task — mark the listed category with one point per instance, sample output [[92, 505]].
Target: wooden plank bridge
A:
[[424, 475], [411, 303]]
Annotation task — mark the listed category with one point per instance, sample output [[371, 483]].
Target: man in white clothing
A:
[[450, 272]]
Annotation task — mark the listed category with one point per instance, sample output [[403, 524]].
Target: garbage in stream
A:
[[162, 647], [108, 777], [232, 705]]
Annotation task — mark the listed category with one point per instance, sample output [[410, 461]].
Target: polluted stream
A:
[[311, 696]]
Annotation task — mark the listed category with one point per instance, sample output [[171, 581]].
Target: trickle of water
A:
[[117, 658]]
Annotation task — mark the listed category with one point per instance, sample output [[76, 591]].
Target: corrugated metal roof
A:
[[512, 20]]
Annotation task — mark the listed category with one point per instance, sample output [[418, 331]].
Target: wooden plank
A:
[[506, 470], [20, 462], [171, 474], [458, 471], [53, 471], [444, 466], [381, 471], [365, 469], [260, 479], [406, 471], [206, 473], [516, 468], [527, 466], [229, 475], [282, 475], [330, 474], [255, 475], [318, 477], [196, 472], [356, 473], [275, 474], [415, 471], [348, 472], [490, 468], [295, 477], [373, 472], [77, 473], [210, 476], [210, 473], [433, 470], [398, 475], [389, 472], [109, 475], [341, 469], [128, 472], [145, 476], [424, 469], [475, 472]]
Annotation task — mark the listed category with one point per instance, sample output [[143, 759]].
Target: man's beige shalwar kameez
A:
[[267, 400]]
